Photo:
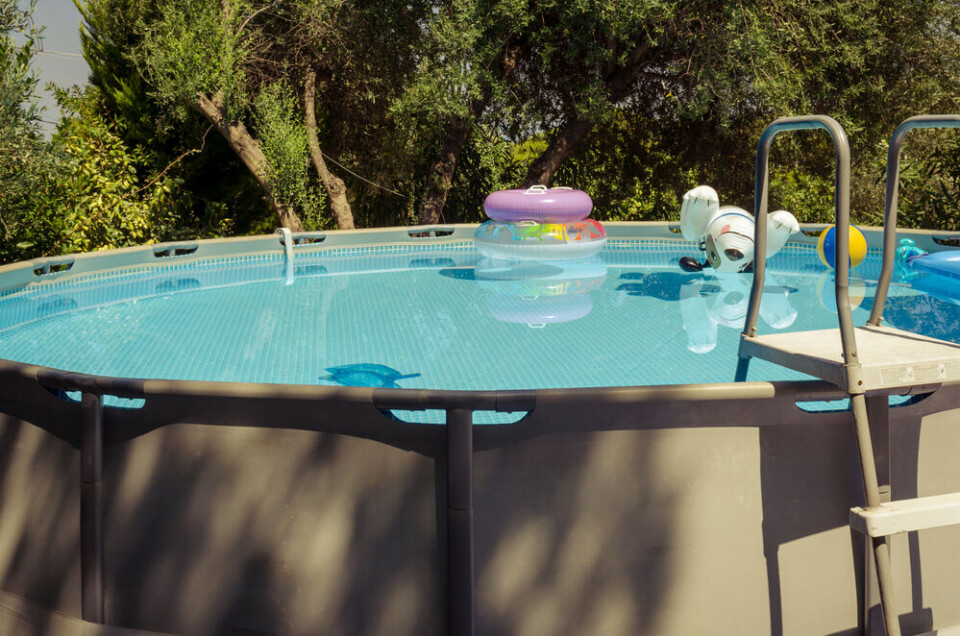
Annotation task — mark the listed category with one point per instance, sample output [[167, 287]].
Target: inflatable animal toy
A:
[[726, 233]]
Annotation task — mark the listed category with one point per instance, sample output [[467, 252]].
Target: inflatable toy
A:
[[531, 239], [934, 273], [945, 264], [538, 203], [726, 234], [729, 243], [539, 223], [826, 246]]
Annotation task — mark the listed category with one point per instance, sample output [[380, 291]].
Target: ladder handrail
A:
[[890, 202], [841, 215]]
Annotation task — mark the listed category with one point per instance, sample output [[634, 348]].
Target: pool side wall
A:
[[237, 512]]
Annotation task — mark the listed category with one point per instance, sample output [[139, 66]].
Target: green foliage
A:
[[392, 77], [631, 172], [102, 202], [29, 167], [930, 189], [487, 164], [283, 138], [808, 197], [195, 47], [223, 193]]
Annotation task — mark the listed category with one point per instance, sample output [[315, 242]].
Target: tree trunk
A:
[[542, 169], [619, 83], [248, 150], [440, 177], [336, 189]]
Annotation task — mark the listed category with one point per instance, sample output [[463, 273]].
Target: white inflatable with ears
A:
[[727, 233], [699, 206], [780, 225]]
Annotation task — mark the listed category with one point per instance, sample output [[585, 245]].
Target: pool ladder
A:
[[888, 360]]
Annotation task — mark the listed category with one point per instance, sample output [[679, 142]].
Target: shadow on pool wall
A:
[[592, 516]]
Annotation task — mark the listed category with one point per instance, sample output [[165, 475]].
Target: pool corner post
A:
[[460, 574], [91, 508]]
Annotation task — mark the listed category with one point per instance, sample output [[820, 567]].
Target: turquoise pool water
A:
[[434, 317]]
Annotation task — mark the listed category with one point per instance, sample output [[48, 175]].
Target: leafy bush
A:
[[283, 138], [102, 201]]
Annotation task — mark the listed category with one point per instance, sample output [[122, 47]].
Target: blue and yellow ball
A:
[[826, 246]]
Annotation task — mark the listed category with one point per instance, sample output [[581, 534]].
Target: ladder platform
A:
[[889, 358], [907, 515]]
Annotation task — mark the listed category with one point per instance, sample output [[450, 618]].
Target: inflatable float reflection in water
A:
[[539, 293], [539, 223]]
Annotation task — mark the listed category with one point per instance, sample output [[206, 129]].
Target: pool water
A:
[[440, 318]]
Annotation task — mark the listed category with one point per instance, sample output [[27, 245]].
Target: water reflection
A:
[[538, 293], [708, 301]]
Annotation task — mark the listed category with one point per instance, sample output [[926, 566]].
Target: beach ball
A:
[[826, 246], [827, 291]]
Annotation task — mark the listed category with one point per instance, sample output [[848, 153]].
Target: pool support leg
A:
[[460, 578], [91, 508]]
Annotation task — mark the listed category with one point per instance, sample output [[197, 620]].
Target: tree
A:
[[29, 165], [103, 200], [465, 60], [371, 111]]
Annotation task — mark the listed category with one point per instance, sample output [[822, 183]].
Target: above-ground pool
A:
[[239, 437]]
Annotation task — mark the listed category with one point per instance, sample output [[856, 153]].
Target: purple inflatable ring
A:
[[538, 203]]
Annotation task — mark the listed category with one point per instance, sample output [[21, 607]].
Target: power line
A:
[[376, 185], [65, 54]]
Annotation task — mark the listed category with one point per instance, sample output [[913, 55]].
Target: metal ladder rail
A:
[[881, 551], [890, 202], [842, 220]]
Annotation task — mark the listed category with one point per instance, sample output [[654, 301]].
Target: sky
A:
[[61, 61]]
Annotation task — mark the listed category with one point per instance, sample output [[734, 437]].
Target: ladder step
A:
[[907, 515]]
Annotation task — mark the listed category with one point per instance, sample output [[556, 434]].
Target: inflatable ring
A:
[[539, 203], [532, 240]]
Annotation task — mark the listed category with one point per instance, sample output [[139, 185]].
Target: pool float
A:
[[934, 273], [726, 233], [538, 203], [531, 239], [539, 223]]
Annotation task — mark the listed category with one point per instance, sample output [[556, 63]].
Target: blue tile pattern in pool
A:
[[438, 317]]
